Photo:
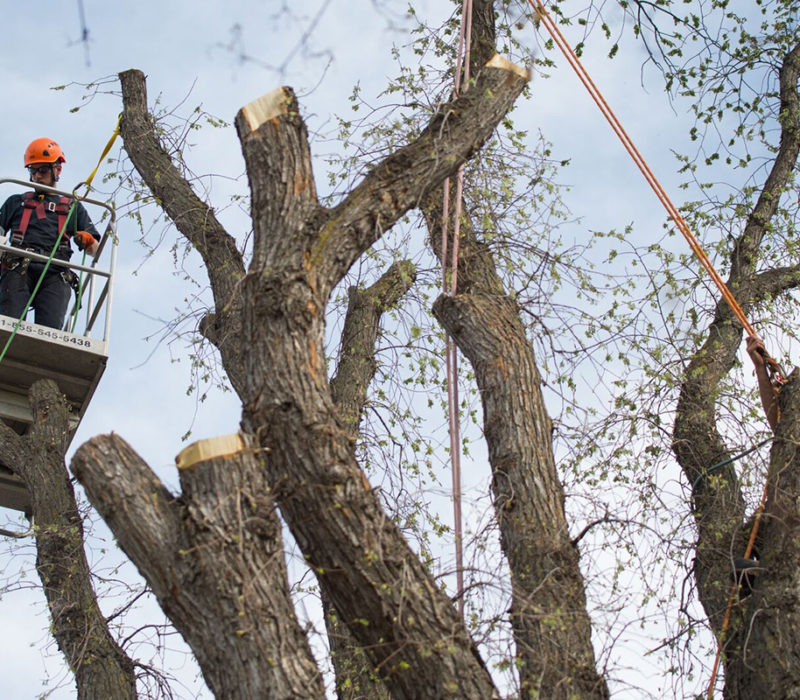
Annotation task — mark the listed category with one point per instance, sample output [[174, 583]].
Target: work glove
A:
[[83, 239]]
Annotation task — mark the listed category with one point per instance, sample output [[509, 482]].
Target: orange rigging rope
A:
[[672, 210], [734, 594], [694, 244]]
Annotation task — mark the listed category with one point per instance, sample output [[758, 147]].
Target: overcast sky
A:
[[180, 45]]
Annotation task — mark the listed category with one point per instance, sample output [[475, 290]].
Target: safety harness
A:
[[32, 202]]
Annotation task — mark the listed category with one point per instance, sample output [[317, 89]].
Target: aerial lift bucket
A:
[[74, 358]]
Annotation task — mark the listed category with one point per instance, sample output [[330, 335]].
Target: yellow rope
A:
[[88, 180], [88, 184]]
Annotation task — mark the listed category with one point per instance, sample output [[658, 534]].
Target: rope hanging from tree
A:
[[449, 285]]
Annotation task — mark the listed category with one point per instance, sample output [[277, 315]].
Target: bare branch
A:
[[357, 355], [193, 217]]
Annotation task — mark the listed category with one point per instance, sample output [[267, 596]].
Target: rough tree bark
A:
[[765, 660], [717, 503], [269, 327], [548, 611], [102, 669], [551, 626], [355, 676], [214, 559]]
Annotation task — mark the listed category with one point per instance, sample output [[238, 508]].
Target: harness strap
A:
[[30, 203]]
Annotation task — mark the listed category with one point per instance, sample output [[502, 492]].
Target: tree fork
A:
[[300, 253]]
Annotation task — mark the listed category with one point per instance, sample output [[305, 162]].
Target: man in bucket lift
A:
[[35, 220]]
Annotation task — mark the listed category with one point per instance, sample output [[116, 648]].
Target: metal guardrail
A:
[[104, 295]]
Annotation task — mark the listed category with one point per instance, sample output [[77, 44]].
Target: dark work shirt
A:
[[43, 233]]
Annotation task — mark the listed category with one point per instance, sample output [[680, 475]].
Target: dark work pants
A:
[[50, 302]]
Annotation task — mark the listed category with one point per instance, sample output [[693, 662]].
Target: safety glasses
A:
[[41, 169]]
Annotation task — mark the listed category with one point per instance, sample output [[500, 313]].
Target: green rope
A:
[[39, 281], [725, 462]]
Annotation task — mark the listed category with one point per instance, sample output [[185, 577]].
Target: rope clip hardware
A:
[[78, 186]]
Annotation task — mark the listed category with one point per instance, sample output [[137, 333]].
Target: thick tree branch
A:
[[12, 446], [771, 283], [357, 351], [214, 559], [717, 503], [192, 217], [551, 627], [401, 181], [283, 196], [142, 513]]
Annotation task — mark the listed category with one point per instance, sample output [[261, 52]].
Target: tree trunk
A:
[[548, 614], [102, 669], [763, 660], [301, 251], [717, 503]]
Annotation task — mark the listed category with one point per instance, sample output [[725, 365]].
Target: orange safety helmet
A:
[[44, 150]]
